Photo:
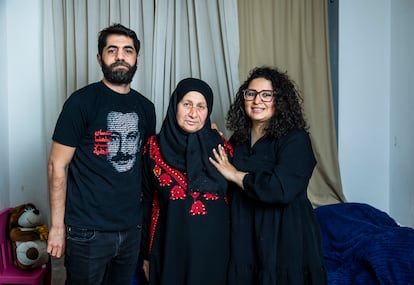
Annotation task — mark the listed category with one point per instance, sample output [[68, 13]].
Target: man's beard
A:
[[119, 76]]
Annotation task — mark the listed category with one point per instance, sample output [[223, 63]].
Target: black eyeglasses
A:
[[265, 95]]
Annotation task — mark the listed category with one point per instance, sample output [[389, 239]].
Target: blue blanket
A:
[[363, 245]]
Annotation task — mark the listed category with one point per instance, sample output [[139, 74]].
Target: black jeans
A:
[[95, 257]]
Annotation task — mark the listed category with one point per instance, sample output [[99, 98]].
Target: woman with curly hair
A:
[[275, 236]]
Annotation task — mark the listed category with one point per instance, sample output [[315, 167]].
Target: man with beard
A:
[[94, 168]]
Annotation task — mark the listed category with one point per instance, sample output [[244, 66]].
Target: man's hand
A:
[[56, 241], [215, 127], [145, 267]]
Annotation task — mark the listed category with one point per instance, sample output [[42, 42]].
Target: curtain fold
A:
[[200, 39], [217, 41], [70, 39], [54, 83], [179, 38], [293, 36]]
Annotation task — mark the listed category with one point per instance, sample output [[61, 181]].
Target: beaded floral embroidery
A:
[[167, 175]]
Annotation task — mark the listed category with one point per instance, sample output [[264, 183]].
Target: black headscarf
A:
[[189, 152]]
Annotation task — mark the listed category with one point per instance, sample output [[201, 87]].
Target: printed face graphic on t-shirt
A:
[[125, 140]]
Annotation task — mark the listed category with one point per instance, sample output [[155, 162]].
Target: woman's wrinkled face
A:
[[256, 109], [192, 112]]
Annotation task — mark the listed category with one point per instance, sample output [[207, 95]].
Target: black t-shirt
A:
[[108, 130]]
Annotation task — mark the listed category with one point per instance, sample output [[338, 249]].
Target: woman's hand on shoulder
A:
[[223, 165], [215, 127]]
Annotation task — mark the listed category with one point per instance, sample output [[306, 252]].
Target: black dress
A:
[[275, 236], [188, 240]]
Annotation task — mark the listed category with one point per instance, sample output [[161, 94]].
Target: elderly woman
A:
[[186, 214], [275, 236]]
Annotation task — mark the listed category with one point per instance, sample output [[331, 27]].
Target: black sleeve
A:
[[72, 122], [289, 175], [147, 202]]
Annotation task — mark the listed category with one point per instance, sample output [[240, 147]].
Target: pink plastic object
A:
[[9, 273]]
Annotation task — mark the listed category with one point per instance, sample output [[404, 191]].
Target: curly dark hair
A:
[[287, 102]]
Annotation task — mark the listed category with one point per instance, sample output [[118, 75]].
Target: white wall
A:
[[4, 141], [376, 129], [363, 103], [26, 149], [402, 112]]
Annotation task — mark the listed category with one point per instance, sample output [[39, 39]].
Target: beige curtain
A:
[[70, 45], [179, 38], [293, 36], [195, 38], [201, 38]]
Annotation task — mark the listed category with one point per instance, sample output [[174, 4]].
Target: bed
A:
[[363, 245]]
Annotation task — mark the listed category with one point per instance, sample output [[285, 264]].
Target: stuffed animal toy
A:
[[28, 235]]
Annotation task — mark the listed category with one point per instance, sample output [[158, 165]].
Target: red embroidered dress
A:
[[185, 234]]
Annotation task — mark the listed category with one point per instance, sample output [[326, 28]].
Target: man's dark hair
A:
[[117, 29]]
